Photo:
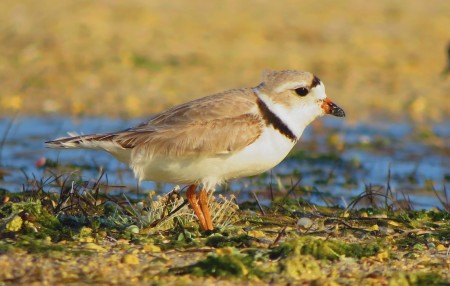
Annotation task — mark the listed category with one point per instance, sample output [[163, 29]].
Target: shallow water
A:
[[362, 155]]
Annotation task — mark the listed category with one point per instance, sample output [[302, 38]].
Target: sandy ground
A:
[[111, 58]]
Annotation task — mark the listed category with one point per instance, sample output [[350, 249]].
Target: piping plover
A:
[[232, 134]]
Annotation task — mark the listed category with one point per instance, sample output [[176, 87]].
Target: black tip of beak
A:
[[337, 111], [330, 108]]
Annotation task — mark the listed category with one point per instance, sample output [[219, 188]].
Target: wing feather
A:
[[217, 124]]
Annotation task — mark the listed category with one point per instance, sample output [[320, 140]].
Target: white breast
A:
[[263, 154]]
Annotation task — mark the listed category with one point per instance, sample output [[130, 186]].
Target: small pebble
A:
[[133, 229], [305, 222]]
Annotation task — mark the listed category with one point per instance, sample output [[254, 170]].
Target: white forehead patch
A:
[[319, 91]]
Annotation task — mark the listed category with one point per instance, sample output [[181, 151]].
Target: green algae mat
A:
[[87, 237]]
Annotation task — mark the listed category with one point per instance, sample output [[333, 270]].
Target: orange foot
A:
[[200, 206]]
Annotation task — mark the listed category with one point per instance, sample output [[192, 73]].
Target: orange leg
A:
[[203, 200], [192, 198]]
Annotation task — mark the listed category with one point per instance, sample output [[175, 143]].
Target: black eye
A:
[[302, 91]]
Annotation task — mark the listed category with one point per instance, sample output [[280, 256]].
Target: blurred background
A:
[[379, 59]]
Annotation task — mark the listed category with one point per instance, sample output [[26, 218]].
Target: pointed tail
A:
[[76, 141]]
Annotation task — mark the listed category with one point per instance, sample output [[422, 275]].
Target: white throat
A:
[[296, 119]]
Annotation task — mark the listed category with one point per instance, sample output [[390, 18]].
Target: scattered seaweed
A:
[[291, 241]]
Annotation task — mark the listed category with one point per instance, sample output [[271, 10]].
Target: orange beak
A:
[[330, 108]]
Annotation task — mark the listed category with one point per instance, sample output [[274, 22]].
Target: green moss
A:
[[417, 217], [306, 258], [223, 265], [419, 246], [38, 221], [419, 278], [443, 234], [218, 240], [33, 245], [226, 265], [299, 267], [435, 219], [9, 208], [15, 224], [85, 232], [437, 216], [323, 249], [5, 246]]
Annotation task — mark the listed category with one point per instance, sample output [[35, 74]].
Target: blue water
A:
[[414, 164]]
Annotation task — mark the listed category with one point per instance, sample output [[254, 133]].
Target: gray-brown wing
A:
[[228, 104], [216, 124], [218, 136]]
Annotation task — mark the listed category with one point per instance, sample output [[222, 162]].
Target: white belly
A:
[[265, 153]]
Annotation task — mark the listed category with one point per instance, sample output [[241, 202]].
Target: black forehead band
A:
[[315, 82]]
